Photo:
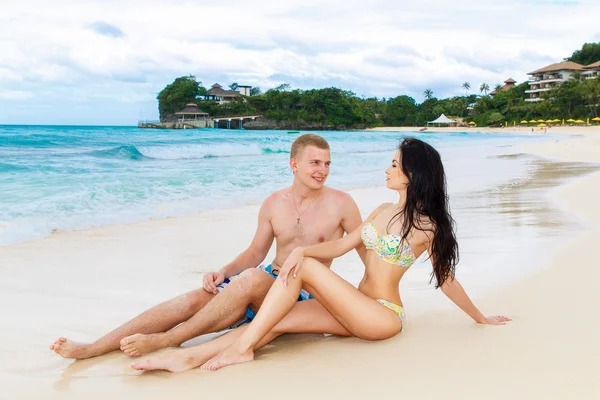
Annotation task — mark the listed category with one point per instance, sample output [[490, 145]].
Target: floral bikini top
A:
[[390, 248]]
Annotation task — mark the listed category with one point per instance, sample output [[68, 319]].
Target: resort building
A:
[[591, 71], [508, 84], [550, 77], [244, 90], [191, 112], [216, 93]]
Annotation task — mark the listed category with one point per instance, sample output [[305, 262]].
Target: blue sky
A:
[[103, 62]]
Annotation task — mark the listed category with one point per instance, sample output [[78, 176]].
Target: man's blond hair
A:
[[308, 139]]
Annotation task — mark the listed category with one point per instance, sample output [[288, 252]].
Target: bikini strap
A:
[[412, 232]]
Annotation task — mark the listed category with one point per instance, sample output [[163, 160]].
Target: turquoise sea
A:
[[75, 177]]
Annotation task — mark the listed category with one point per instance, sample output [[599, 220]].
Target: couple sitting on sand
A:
[[308, 222]]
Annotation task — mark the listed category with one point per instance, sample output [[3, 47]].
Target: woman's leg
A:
[[184, 359], [306, 317], [361, 315]]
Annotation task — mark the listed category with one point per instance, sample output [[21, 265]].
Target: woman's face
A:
[[395, 177]]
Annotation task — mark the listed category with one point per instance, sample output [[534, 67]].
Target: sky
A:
[[82, 62]]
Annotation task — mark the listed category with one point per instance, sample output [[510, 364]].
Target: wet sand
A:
[[526, 251]]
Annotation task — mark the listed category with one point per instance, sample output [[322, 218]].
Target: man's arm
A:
[[258, 249], [351, 220], [252, 256]]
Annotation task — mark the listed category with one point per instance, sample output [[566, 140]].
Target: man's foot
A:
[[139, 344], [176, 361], [70, 349], [229, 356]]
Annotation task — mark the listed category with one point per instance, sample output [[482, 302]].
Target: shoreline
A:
[[565, 130]]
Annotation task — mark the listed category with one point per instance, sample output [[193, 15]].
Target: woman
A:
[[395, 236]]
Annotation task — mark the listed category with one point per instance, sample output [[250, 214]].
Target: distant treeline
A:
[[575, 98]]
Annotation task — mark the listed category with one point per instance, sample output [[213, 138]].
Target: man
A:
[[303, 214]]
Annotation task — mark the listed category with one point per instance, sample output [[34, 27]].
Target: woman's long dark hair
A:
[[426, 197]]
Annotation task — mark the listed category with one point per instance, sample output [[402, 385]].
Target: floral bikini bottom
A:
[[399, 310]]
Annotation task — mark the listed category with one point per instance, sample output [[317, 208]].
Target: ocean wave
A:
[[12, 168], [268, 150], [28, 141], [186, 152], [128, 152]]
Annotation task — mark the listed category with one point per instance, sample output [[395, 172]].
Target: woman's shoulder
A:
[[378, 211], [425, 227], [382, 207]]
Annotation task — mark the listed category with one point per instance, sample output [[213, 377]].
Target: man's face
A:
[[311, 166]]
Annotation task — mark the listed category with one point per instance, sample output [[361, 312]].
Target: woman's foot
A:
[[176, 361], [229, 356], [70, 349], [139, 344]]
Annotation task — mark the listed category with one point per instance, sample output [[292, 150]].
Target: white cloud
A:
[[15, 94], [124, 52]]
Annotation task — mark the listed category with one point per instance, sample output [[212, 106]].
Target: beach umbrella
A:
[[542, 124], [570, 120], [556, 120], [533, 121], [579, 122], [524, 122], [596, 119], [548, 121], [472, 123]]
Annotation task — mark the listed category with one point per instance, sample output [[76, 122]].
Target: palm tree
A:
[[428, 93], [466, 86], [498, 87], [485, 88]]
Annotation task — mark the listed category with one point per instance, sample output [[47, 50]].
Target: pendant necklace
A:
[[298, 211]]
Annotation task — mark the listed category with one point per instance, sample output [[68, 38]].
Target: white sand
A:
[[81, 284]]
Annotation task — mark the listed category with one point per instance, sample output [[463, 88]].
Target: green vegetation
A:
[[338, 108], [589, 54], [175, 96]]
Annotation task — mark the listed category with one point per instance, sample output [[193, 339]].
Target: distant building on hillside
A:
[[508, 84], [191, 112], [216, 93], [592, 71], [550, 77], [244, 90]]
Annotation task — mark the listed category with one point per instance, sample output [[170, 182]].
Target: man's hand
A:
[[211, 280]]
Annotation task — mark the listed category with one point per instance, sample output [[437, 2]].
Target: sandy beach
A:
[[82, 284]]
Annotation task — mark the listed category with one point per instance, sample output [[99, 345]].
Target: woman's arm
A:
[[336, 248], [455, 292], [326, 250]]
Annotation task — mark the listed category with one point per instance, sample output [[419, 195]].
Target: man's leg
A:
[[157, 319], [227, 308]]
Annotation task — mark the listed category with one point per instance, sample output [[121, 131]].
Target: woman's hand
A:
[[292, 265], [495, 320]]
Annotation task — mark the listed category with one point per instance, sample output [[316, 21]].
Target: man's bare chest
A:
[[306, 231]]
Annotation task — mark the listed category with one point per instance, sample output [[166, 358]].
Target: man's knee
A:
[[253, 284], [254, 278], [197, 299]]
